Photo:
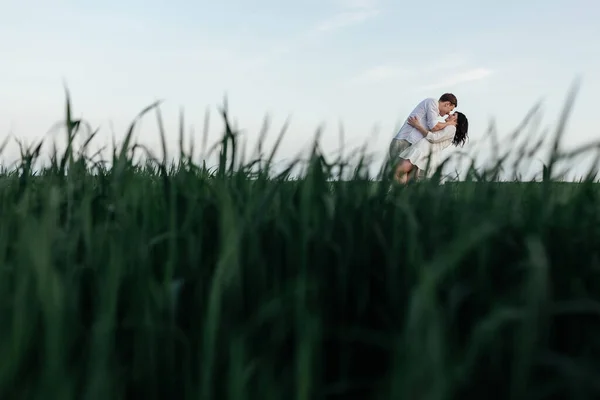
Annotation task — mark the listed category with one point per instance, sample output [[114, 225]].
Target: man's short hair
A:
[[449, 97]]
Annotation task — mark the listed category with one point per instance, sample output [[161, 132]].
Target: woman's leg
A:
[[418, 174], [396, 147], [403, 169]]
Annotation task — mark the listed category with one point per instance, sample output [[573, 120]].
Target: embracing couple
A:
[[417, 146]]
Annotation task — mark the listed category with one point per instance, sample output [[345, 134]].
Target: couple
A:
[[418, 144]]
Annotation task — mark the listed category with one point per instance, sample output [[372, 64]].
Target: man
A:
[[427, 113]]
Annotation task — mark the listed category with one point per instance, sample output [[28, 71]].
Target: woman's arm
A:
[[445, 134]]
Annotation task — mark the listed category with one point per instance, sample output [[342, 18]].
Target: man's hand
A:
[[414, 122]]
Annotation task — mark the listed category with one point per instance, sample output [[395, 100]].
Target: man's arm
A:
[[429, 135], [431, 116]]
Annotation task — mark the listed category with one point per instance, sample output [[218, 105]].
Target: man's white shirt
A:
[[428, 114]]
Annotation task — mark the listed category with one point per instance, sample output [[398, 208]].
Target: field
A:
[[155, 281]]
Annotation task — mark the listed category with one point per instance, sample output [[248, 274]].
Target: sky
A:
[[358, 64]]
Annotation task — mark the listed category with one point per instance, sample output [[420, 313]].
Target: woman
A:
[[427, 151]]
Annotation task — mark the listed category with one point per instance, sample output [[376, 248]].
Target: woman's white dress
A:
[[429, 149]]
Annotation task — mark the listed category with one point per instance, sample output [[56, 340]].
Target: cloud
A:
[[381, 73], [346, 19], [471, 75], [351, 12], [393, 71], [356, 3], [447, 62]]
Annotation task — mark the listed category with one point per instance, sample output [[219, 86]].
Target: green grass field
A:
[[302, 288]]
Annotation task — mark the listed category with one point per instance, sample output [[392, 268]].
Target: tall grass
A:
[[292, 288]]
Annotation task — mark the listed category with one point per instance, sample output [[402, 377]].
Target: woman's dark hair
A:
[[462, 129]]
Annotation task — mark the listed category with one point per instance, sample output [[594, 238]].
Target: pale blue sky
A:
[[363, 62]]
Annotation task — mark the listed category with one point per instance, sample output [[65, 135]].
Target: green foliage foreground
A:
[[301, 289]]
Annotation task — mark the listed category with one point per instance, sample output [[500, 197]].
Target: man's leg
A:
[[396, 147]]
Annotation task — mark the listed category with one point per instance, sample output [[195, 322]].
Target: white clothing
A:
[[428, 149], [428, 114]]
